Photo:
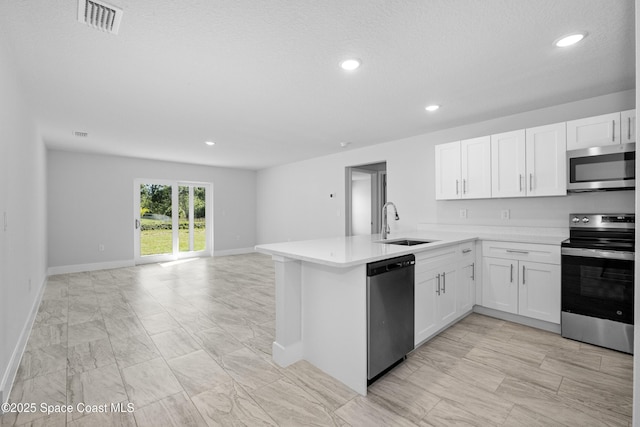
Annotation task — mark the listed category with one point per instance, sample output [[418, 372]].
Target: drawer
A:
[[428, 259], [549, 254]]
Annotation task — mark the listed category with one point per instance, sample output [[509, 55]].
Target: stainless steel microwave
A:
[[610, 167]]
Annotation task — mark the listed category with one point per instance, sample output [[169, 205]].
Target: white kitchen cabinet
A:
[[508, 165], [448, 171], [425, 305], [546, 160], [475, 164], [463, 169], [628, 126], [594, 131], [436, 291], [514, 281], [466, 285], [539, 291], [499, 290], [529, 163], [447, 291]]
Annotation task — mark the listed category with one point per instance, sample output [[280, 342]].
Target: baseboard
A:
[[79, 268], [515, 318], [239, 251], [12, 368]]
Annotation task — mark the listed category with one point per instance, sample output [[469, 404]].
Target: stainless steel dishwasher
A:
[[390, 313]]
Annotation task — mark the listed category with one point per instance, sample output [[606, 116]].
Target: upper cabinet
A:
[[628, 126], [508, 155], [607, 129], [524, 163], [448, 171], [463, 169], [475, 164], [528, 163], [547, 160]]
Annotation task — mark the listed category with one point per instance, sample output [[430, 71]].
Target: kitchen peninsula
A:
[[321, 310]]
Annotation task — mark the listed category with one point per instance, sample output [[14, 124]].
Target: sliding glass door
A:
[[171, 220]]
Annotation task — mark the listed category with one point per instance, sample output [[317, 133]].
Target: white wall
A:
[[23, 199], [294, 202], [91, 203]]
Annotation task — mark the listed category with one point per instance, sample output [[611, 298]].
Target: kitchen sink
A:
[[406, 242]]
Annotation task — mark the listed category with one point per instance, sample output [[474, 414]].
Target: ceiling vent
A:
[[99, 15]]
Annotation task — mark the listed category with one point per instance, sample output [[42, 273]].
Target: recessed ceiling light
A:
[[350, 64], [210, 143], [431, 108], [569, 40]]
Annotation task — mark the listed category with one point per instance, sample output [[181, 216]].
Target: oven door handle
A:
[[597, 253]]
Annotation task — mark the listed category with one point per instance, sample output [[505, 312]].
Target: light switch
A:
[[463, 213]]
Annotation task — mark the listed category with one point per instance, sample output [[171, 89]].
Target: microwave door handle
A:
[[613, 130], [629, 128]]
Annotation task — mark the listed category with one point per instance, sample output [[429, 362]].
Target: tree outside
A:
[[156, 231]]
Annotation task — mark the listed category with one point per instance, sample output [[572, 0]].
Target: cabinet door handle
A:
[[473, 271], [456, 186], [530, 182], [515, 251], [613, 130], [464, 186], [444, 283], [629, 129], [523, 276], [520, 182], [438, 280], [511, 280], [137, 224]]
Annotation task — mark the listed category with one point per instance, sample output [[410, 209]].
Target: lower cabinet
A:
[[442, 292], [515, 285]]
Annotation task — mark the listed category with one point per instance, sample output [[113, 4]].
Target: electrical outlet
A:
[[463, 213], [504, 214]]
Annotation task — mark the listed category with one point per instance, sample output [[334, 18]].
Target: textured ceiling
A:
[[261, 78]]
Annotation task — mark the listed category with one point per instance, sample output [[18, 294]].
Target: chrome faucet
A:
[[385, 225]]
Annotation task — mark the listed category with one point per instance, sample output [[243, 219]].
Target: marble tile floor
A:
[[189, 344]]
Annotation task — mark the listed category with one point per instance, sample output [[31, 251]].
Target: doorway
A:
[[171, 220], [366, 193]]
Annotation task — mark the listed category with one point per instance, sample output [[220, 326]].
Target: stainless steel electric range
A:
[[598, 280]]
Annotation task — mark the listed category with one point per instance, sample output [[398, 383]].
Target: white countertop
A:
[[355, 250]]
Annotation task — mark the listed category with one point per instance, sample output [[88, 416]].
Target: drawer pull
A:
[[514, 251], [466, 251]]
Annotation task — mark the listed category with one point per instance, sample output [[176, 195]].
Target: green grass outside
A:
[[153, 242]]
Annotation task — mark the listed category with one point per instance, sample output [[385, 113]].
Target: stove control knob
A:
[[575, 220], [585, 220]]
